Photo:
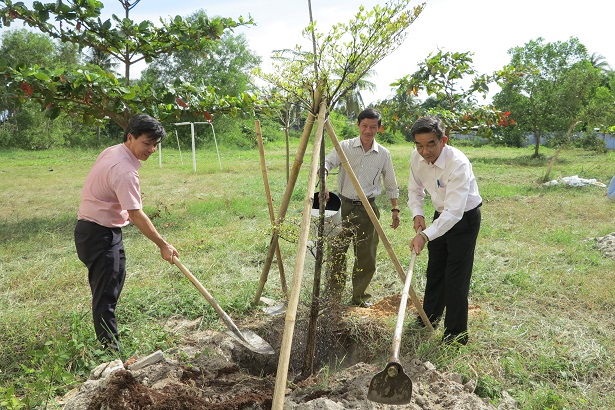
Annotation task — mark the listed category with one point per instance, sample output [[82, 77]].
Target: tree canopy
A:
[[94, 93], [341, 58], [225, 65], [439, 76]]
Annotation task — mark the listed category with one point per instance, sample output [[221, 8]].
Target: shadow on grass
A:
[[27, 229], [61, 225]]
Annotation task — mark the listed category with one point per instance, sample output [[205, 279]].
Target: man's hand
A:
[[396, 219], [419, 223], [417, 244], [167, 252], [419, 241]]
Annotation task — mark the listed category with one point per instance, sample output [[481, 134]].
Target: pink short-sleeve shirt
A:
[[111, 188]]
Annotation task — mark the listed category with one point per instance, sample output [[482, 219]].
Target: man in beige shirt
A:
[[372, 165]]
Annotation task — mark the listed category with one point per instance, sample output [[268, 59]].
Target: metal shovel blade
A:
[[390, 386], [247, 338], [252, 341]]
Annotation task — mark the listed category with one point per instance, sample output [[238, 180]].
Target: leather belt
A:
[[356, 202]]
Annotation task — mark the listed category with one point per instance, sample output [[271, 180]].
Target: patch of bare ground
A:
[[211, 370], [606, 245]]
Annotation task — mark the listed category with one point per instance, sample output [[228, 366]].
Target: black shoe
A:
[[362, 304], [418, 322], [457, 340]]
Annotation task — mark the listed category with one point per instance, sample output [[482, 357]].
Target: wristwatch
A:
[[395, 209]]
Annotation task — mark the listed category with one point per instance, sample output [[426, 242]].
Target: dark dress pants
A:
[[359, 230], [101, 249], [449, 269]]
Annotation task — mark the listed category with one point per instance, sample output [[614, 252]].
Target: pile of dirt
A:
[[211, 370]]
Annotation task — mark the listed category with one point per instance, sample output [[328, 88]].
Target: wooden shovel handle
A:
[[226, 318], [401, 314]]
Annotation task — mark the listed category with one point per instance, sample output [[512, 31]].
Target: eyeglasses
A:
[[431, 145]]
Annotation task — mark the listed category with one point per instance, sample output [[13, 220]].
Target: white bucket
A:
[[333, 214]]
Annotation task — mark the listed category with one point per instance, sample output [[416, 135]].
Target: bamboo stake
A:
[[310, 344], [261, 150], [293, 301], [376, 222], [307, 130]]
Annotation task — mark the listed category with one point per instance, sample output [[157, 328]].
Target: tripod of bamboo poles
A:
[[290, 185], [261, 150], [285, 349], [293, 300]]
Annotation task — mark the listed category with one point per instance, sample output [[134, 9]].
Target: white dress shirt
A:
[[367, 167], [451, 185]]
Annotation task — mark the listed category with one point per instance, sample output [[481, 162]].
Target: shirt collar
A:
[[357, 144], [134, 160], [440, 162]]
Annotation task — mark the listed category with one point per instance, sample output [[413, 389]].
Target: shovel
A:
[[392, 385], [247, 338]]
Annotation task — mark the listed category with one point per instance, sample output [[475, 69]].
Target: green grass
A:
[[545, 327]]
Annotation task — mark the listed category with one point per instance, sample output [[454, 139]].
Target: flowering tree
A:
[[438, 76], [94, 93]]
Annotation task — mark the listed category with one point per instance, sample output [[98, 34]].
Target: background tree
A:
[[351, 104], [283, 109], [600, 111], [534, 86], [399, 112], [93, 93], [24, 125], [226, 65], [105, 61], [598, 61]]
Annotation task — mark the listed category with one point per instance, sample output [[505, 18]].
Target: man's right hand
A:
[[419, 223], [168, 252]]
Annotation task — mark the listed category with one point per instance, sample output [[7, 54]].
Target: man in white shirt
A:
[[446, 174], [372, 165]]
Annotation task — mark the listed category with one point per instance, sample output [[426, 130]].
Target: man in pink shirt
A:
[[110, 200]]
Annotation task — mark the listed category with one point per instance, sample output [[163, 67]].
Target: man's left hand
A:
[[396, 220]]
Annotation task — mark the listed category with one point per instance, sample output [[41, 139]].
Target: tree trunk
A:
[[552, 162], [536, 143]]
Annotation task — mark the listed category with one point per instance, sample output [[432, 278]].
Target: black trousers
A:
[[449, 269], [101, 249]]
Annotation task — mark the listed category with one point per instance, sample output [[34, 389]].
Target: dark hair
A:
[[428, 125], [143, 124], [371, 114]]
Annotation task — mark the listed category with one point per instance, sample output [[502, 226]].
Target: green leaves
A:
[[344, 55], [95, 94], [438, 76]]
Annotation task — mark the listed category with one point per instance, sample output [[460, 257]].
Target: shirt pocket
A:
[[371, 174], [440, 190]]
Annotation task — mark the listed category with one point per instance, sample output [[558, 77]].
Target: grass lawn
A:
[[543, 328]]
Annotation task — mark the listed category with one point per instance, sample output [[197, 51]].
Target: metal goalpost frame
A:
[[193, 144]]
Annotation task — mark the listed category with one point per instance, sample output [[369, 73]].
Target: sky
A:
[[487, 28]]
